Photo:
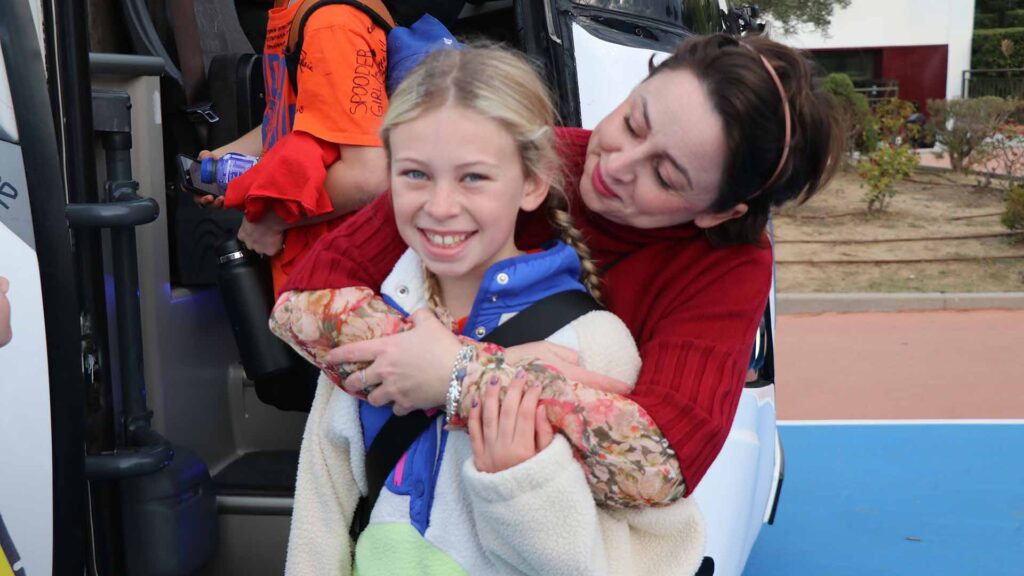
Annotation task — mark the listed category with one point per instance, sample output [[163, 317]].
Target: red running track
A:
[[903, 365]]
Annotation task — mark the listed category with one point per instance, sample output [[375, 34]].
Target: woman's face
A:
[[657, 159]]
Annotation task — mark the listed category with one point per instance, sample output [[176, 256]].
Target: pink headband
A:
[[785, 112]]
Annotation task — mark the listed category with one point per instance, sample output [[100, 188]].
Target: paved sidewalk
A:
[[901, 365]]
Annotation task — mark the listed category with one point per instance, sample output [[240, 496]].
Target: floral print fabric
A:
[[627, 461], [316, 321]]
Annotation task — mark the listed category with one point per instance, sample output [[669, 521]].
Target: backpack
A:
[[406, 45]]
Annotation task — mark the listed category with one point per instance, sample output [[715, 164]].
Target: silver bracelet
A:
[[462, 360]]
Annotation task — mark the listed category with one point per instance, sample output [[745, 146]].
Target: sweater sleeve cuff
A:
[[694, 410], [553, 464]]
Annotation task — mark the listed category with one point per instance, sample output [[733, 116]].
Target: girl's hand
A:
[[567, 362], [410, 370], [507, 432]]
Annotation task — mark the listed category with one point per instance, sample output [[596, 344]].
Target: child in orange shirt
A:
[[333, 120]]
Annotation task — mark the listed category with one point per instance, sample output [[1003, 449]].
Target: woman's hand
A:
[[410, 370], [567, 362], [264, 237], [507, 432]]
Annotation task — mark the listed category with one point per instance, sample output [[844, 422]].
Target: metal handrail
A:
[[994, 70], [1007, 81]]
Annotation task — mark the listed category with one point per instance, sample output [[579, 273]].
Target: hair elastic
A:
[[785, 113]]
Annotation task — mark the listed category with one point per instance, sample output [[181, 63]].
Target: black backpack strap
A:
[[373, 9], [543, 318], [537, 322]]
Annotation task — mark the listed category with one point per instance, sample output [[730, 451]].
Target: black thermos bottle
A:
[[248, 293]]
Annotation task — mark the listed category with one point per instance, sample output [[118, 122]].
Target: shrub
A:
[[1014, 19], [891, 121], [882, 169], [1004, 149], [892, 159], [869, 139], [983, 21], [1013, 217], [987, 49], [853, 108], [964, 124]]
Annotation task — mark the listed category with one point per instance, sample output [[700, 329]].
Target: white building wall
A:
[[880, 23]]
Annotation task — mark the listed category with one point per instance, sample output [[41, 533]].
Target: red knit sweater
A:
[[692, 308]]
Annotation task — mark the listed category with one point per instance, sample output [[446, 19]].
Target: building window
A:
[[857, 64]]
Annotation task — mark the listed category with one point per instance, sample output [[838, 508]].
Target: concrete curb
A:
[[947, 170], [897, 302], [932, 169]]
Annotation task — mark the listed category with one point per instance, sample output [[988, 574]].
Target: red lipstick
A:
[[600, 186]]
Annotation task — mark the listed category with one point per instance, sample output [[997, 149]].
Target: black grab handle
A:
[[132, 211], [149, 453]]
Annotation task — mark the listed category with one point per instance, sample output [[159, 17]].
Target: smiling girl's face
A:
[[657, 159], [458, 183]]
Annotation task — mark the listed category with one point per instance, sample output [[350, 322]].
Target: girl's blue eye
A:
[[474, 177], [415, 174]]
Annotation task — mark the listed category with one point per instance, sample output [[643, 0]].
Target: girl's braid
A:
[[557, 208], [433, 290]]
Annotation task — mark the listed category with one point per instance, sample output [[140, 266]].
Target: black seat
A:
[[261, 473]]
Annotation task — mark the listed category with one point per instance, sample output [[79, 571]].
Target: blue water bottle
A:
[[226, 169]]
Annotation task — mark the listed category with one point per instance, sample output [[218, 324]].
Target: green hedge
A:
[[986, 50], [993, 6], [987, 20], [1014, 19], [983, 21]]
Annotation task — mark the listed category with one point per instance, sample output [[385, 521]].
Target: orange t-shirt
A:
[[341, 98], [341, 77]]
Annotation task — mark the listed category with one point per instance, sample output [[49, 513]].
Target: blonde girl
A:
[[470, 143]]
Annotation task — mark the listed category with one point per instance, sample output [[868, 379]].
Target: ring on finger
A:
[[367, 390]]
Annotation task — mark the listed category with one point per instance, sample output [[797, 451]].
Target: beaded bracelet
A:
[[462, 360]]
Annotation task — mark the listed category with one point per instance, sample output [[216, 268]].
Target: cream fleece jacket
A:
[[331, 478], [537, 518]]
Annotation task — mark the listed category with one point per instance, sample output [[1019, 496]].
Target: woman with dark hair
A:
[[672, 194]]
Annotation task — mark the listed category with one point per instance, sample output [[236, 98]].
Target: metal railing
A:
[[1002, 82], [877, 90]]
